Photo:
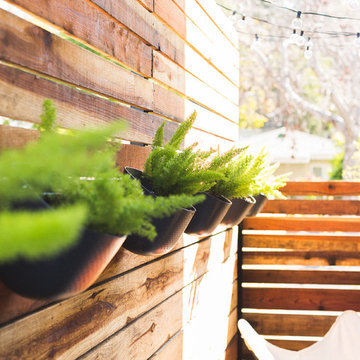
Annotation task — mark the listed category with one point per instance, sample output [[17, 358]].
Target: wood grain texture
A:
[[80, 18], [30, 46], [168, 12], [333, 188], [290, 325], [143, 337], [172, 75], [308, 223], [148, 4], [307, 258], [323, 207], [302, 276], [220, 19], [132, 156], [306, 241], [301, 299], [176, 107], [13, 137], [111, 305], [206, 39], [22, 94], [292, 344]]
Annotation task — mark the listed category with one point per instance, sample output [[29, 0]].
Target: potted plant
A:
[[168, 171], [267, 185], [54, 252]]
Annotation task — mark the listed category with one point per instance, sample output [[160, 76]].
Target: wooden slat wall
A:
[[146, 61], [301, 262]]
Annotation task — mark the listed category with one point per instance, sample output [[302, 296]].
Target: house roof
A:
[[291, 146]]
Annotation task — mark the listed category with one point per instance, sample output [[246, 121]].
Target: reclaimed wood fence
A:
[[146, 61], [300, 262]]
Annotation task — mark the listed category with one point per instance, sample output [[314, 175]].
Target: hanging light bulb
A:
[[300, 41], [242, 20], [357, 40], [256, 42], [353, 4], [297, 22], [293, 37], [308, 53], [309, 44]]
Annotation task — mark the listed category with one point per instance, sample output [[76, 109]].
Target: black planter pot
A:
[[261, 200], [238, 210], [168, 229], [208, 216], [64, 274]]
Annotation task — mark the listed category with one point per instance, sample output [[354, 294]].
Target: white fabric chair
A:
[[341, 342]]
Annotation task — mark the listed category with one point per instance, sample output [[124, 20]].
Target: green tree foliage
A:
[[174, 171]]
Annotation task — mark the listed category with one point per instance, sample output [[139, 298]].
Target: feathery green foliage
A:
[[80, 168], [239, 176], [38, 234], [268, 183], [247, 175], [47, 117], [171, 171]]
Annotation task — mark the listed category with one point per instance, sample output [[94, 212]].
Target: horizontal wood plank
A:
[[30, 46], [294, 345], [148, 4], [323, 207], [301, 299], [205, 38], [306, 258], [75, 108], [220, 19], [290, 325], [78, 19], [108, 307], [145, 335], [217, 249], [308, 223], [333, 188], [172, 75], [176, 107], [302, 276], [167, 11], [346, 242], [13, 137]]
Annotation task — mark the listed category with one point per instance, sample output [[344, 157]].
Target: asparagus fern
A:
[[174, 171]]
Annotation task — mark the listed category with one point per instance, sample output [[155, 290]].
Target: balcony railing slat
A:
[[336, 188], [308, 223], [322, 207]]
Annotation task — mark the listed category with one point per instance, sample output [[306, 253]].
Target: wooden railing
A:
[[301, 262]]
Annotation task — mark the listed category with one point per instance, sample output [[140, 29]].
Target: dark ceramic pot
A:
[[261, 200], [238, 210], [168, 229], [64, 274], [208, 216]]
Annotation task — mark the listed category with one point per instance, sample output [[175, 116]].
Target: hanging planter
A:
[[168, 229], [209, 214], [261, 200], [239, 209], [65, 274]]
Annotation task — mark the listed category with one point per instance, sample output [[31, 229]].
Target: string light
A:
[[357, 40], [293, 37], [297, 22], [256, 42], [300, 41], [308, 53]]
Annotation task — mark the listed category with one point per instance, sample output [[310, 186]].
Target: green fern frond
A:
[[159, 136], [182, 130]]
